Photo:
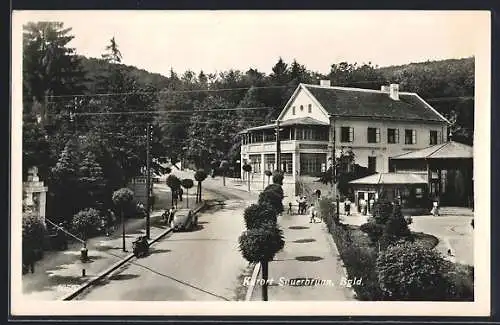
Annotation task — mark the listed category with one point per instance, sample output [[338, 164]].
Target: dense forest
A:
[[85, 119]]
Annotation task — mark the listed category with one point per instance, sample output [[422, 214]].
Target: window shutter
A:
[[414, 136], [397, 135], [351, 134], [377, 137]]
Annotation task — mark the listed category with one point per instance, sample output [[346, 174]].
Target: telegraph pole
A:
[[334, 171], [148, 180], [278, 147]]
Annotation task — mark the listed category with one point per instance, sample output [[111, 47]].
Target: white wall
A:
[[383, 150], [304, 99]]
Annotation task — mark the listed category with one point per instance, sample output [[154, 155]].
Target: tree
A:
[[409, 271], [187, 183], [396, 228], [114, 55], [278, 177], [248, 169], [33, 236], [91, 180], [86, 223], [224, 167], [64, 182], [268, 173], [257, 214], [273, 195], [174, 183], [199, 176], [36, 147], [122, 198], [260, 245]]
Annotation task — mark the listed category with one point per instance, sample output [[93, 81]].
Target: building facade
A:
[[319, 121]]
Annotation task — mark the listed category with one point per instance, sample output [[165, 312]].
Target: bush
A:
[[382, 210], [273, 195], [261, 244], [86, 223], [268, 173], [247, 168], [409, 271], [361, 262], [33, 236], [396, 228], [374, 230], [326, 207], [173, 182], [122, 199], [461, 279], [257, 214], [278, 177]]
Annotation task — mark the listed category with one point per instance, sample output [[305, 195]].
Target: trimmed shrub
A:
[[382, 210], [396, 228], [261, 244], [273, 195], [278, 177], [361, 262], [247, 168], [257, 214], [409, 271]]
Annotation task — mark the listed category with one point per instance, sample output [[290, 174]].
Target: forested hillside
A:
[[85, 119]]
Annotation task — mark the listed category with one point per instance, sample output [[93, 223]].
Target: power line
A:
[[169, 112], [165, 91]]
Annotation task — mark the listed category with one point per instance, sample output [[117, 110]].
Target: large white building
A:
[[319, 120]]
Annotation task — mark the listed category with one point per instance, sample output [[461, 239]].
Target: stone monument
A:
[[35, 194]]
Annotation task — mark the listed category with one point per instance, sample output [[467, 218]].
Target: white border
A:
[[480, 307]]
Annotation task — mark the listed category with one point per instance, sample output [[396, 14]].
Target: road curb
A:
[[251, 287], [118, 264]]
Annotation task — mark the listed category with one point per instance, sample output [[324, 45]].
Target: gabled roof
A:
[[295, 121], [447, 150], [357, 102], [390, 178]]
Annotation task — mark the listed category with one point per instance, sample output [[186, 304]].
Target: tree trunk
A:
[[187, 198], [265, 275], [224, 178]]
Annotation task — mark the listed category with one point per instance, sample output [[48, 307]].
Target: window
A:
[[286, 163], [392, 135], [410, 136], [293, 110], [269, 162], [372, 164], [419, 193], [301, 108], [255, 161], [373, 135], [310, 163], [433, 138], [309, 108], [346, 134]]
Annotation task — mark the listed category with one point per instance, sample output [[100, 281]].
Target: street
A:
[[204, 264]]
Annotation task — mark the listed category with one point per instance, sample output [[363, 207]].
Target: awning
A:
[[390, 178]]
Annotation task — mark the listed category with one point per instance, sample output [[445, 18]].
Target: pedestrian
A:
[[289, 207], [171, 213], [312, 214], [180, 194], [435, 207], [174, 198], [347, 208], [372, 203]]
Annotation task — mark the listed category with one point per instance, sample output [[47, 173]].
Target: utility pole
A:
[[278, 147], [334, 171], [148, 179]]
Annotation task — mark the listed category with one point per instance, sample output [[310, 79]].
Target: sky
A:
[[215, 41]]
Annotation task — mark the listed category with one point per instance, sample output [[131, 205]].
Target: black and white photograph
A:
[[250, 163]]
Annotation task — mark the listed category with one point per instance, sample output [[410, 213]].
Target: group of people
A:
[[168, 215], [303, 208]]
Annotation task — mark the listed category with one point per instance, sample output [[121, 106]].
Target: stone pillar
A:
[[35, 194]]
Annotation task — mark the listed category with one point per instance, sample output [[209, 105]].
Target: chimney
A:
[[394, 91], [384, 89], [324, 83]]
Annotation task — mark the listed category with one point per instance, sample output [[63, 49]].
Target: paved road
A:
[[204, 264]]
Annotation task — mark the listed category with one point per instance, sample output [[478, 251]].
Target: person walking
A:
[[290, 208], [181, 192], [347, 204], [312, 214]]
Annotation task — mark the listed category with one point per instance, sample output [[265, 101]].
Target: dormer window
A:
[[293, 110], [301, 108], [309, 108]]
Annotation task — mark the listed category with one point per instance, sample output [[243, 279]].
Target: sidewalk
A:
[[309, 253], [60, 272]]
